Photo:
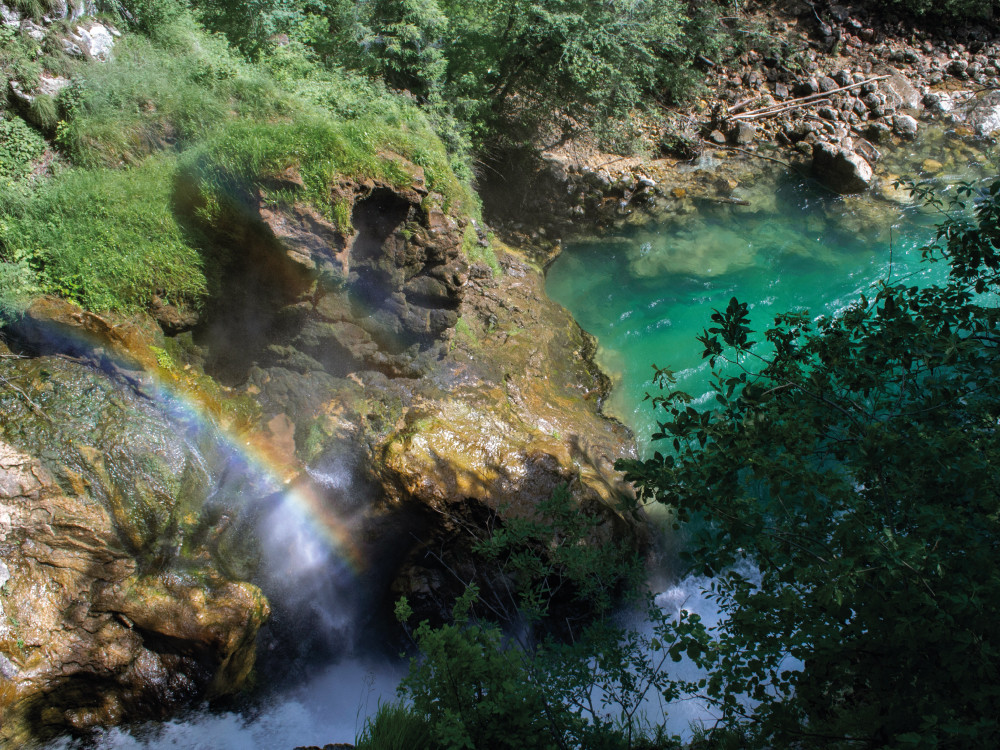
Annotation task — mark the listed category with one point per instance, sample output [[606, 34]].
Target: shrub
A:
[[854, 460], [20, 147]]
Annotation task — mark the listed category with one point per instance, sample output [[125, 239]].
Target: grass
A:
[[189, 87], [106, 239], [485, 253], [395, 726], [104, 233], [156, 95], [328, 140]]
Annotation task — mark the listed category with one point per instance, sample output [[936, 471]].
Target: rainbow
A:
[[261, 458]]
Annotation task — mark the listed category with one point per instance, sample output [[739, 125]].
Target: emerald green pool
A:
[[648, 291]]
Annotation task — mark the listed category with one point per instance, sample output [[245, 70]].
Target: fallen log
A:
[[803, 101]]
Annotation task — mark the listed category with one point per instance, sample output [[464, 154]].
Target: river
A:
[[647, 292]]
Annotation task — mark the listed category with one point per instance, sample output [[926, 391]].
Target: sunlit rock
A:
[[905, 126], [841, 170], [984, 114], [87, 638]]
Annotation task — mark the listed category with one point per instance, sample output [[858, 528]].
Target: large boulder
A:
[[899, 92], [840, 169], [983, 114]]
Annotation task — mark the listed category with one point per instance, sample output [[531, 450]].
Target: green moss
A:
[[163, 358], [106, 239], [342, 215], [477, 252]]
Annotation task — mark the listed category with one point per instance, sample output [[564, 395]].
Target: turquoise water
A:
[[646, 293]]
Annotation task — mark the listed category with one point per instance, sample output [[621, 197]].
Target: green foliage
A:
[[242, 155], [559, 553], [20, 148], [33, 8], [483, 66], [18, 59], [480, 686], [108, 240], [574, 55], [395, 726], [854, 461], [248, 25], [403, 40], [154, 18]]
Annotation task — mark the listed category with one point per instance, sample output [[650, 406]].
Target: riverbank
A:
[[828, 94]]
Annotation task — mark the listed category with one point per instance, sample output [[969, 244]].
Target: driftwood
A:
[[741, 105], [804, 101], [785, 107]]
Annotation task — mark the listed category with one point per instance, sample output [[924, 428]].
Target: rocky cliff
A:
[[457, 389], [364, 333]]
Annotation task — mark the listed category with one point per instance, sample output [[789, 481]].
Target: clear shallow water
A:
[[647, 293]]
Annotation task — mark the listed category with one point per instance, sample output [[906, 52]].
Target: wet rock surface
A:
[[840, 169], [375, 292], [458, 391], [395, 382], [105, 618]]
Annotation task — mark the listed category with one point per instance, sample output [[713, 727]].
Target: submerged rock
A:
[[841, 170]]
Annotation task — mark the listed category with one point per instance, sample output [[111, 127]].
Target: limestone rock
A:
[[841, 170], [742, 134], [85, 639], [511, 414], [94, 39], [10, 16], [903, 94], [826, 84], [905, 126], [376, 291], [983, 114]]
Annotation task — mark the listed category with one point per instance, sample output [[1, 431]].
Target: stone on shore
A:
[[840, 169]]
